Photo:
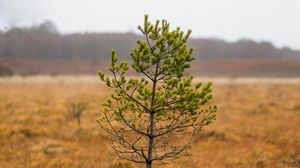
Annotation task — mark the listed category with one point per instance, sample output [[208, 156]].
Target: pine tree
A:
[[145, 115]]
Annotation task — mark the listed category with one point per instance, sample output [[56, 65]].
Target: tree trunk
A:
[[152, 116], [148, 164], [151, 141]]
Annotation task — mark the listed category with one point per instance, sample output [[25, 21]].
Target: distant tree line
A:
[[5, 71], [44, 41]]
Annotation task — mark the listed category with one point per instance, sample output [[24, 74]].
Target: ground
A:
[[257, 125]]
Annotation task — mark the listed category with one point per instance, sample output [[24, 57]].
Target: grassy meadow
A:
[[258, 125]]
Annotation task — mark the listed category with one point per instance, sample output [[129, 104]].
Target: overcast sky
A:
[[277, 21]]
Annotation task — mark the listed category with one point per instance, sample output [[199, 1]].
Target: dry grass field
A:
[[258, 125]]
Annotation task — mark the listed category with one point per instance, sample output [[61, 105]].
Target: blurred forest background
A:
[[41, 49]]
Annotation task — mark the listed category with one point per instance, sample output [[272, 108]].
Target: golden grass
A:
[[258, 125]]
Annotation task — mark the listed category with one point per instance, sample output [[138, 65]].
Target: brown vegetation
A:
[[221, 67], [257, 126]]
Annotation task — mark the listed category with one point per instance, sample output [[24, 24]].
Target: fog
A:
[[270, 20]]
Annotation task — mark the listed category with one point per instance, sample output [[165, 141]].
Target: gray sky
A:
[[270, 20]]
